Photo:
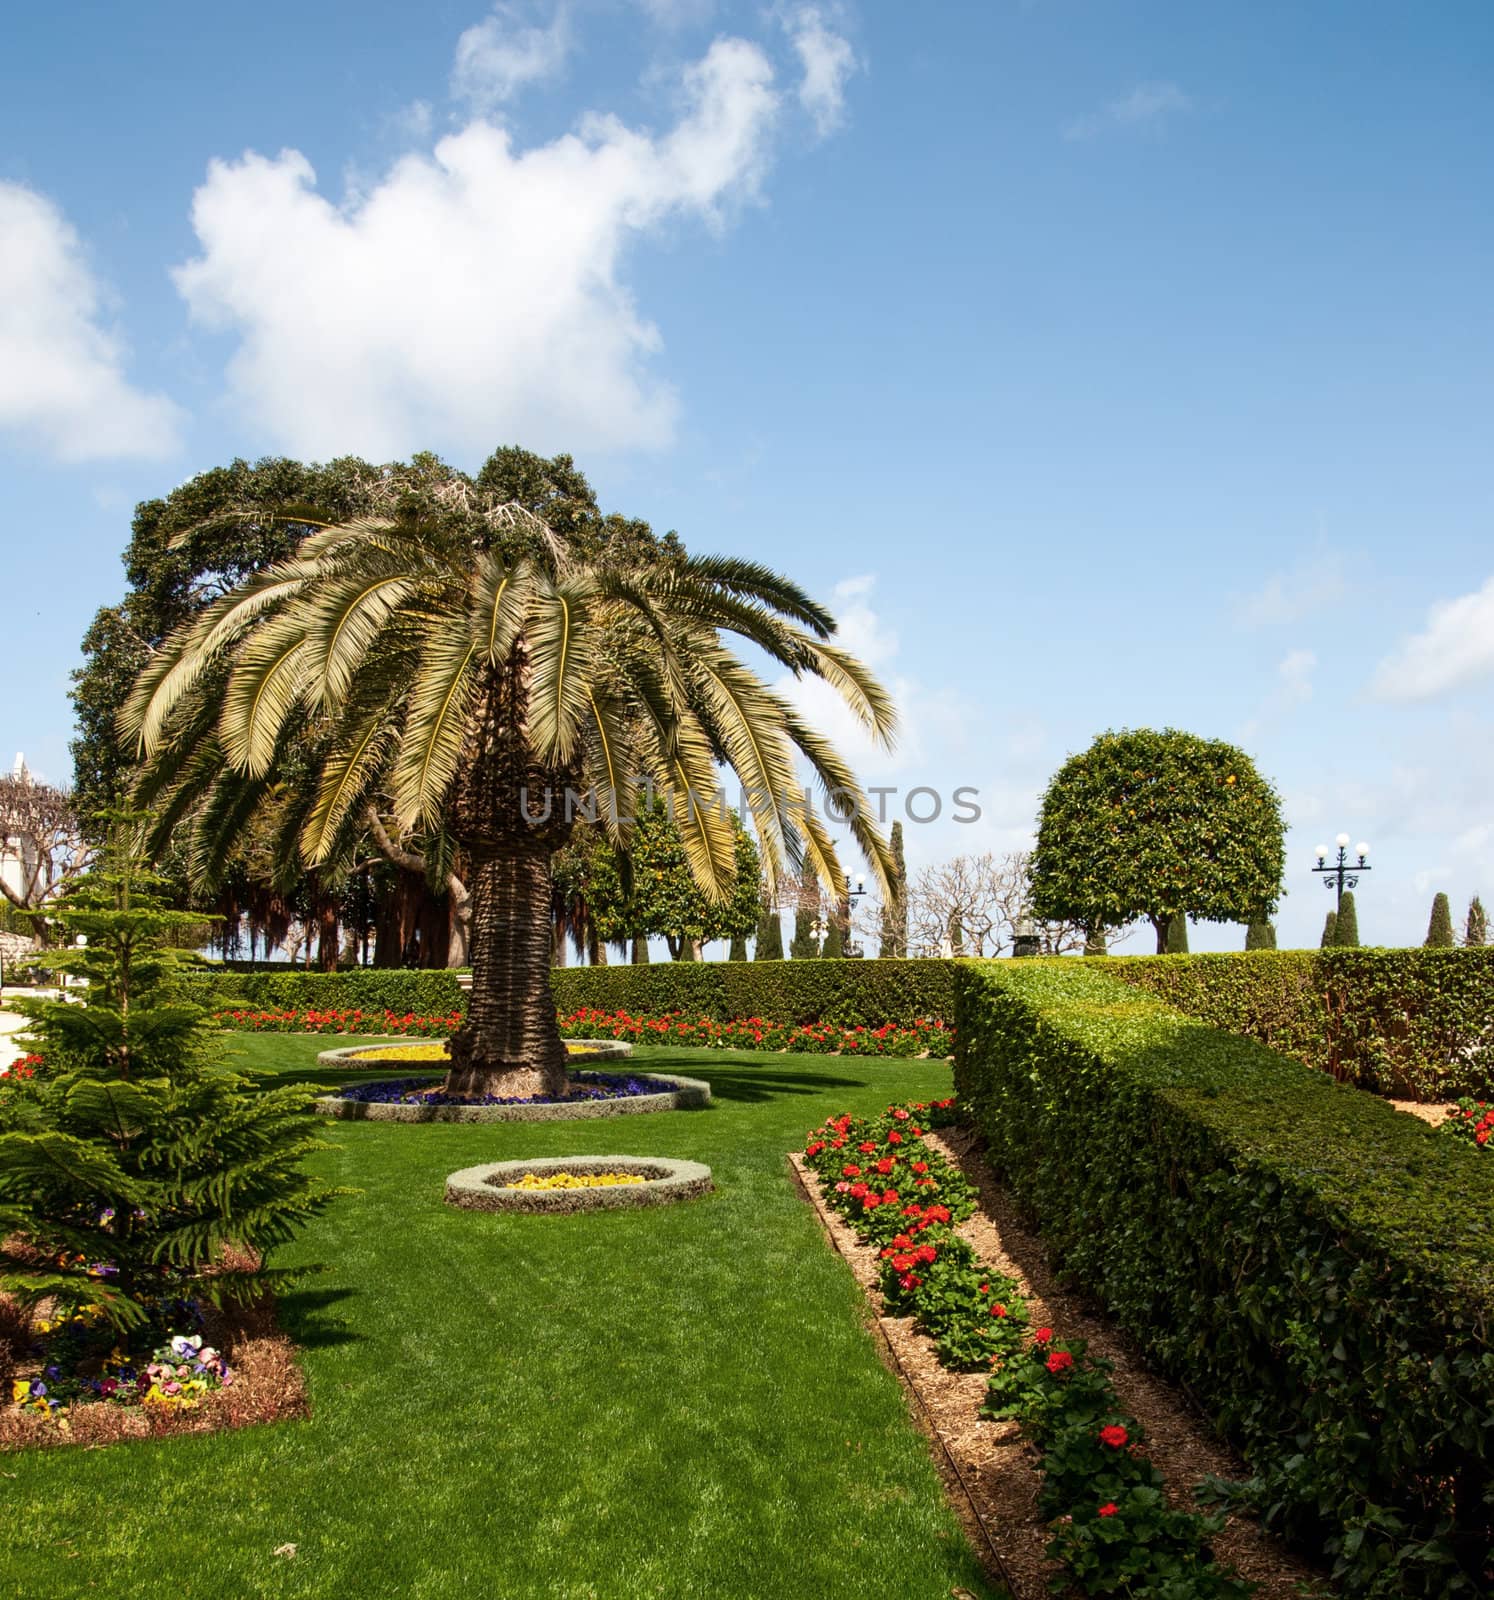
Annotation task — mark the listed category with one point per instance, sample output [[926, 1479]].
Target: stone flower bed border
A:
[[578, 1053], [665, 1181], [684, 1094]]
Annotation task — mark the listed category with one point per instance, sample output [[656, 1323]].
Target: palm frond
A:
[[435, 724], [561, 644]]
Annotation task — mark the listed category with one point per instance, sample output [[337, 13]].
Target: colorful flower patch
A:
[[925, 1036], [584, 1086], [1471, 1122], [574, 1180], [355, 1021], [1105, 1501]]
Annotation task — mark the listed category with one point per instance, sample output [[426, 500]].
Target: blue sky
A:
[[1111, 364]]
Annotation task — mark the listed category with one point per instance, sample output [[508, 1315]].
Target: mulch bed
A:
[[267, 1387], [991, 1474]]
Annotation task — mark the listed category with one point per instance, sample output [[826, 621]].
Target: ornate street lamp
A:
[[1341, 873]]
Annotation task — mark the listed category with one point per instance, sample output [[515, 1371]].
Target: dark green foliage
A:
[[1330, 931], [769, 946], [834, 947], [1094, 941], [1476, 929], [1260, 936], [1346, 929], [895, 913], [1177, 935], [845, 993], [1440, 928], [131, 1147], [1149, 824], [1318, 1267], [284, 988], [1408, 1023], [803, 947], [738, 951]]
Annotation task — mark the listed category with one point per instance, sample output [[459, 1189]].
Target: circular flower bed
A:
[[569, 1183], [591, 1094], [579, 1051]]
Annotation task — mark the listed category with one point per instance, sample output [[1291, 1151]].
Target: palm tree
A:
[[484, 677]]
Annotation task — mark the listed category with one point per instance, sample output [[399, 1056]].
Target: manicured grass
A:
[[675, 1402]]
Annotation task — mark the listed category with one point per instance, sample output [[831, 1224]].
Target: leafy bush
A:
[[1417, 1024], [1317, 1266], [375, 989]]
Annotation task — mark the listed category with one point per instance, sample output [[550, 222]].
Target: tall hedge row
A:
[[796, 992], [1415, 1024], [841, 992], [1318, 1267]]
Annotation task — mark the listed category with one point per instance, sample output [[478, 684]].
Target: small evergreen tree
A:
[[895, 913], [769, 933], [133, 1159], [1346, 931], [738, 951], [802, 947], [1440, 928], [834, 948], [1260, 936], [1330, 931], [1177, 935], [1476, 929]]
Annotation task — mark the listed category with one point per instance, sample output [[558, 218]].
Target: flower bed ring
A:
[[490, 1187], [578, 1053], [675, 1094]]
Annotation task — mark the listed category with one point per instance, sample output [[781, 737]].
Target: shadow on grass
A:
[[760, 1085], [302, 1313]]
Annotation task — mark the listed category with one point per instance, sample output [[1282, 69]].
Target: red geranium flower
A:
[[850, 1170], [894, 1137], [920, 1166], [998, 1310], [1059, 1361], [1109, 1509], [1115, 1436], [867, 1148], [1041, 1335], [885, 1165]]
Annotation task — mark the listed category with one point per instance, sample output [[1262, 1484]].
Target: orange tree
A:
[[1157, 825]]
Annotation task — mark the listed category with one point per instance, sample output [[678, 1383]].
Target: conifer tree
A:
[[1476, 929], [1260, 936], [1440, 928], [1177, 935], [769, 933], [1330, 931], [834, 948], [895, 913], [132, 1159], [802, 947], [1346, 930], [738, 950]]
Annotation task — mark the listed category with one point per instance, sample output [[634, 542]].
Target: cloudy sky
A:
[[1108, 364]]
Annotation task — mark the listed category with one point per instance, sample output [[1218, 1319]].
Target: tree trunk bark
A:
[[640, 951], [1160, 925], [510, 1044]]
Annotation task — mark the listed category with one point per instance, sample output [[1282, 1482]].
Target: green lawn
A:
[[676, 1402]]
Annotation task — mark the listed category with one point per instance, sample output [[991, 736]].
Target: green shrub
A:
[[1346, 928], [1260, 936], [422, 991], [1330, 931], [1417, 1024], [1439, 927], [1318, 1267], [1476, 928]]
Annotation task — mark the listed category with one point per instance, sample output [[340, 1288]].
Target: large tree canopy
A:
[[472, 665], [1158, 825]]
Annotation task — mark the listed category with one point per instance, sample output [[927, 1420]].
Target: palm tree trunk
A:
[[509, 1044]]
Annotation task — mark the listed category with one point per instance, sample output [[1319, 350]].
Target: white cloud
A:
[[1148, 105], [500, 55], [828, 61], [62, 378], [1455, 648], [1302, 590], [472, 295], [678, 13], [1293, 688]]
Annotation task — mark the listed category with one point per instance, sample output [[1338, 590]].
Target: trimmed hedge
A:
[[1316, 1266], [843, 993], [1414, 1024], [424, 991]]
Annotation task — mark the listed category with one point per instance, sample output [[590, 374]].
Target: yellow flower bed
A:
[[574, 1180], [426, 1050]]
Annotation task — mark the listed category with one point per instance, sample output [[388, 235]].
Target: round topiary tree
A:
[[1158, 825], [1440, 928]]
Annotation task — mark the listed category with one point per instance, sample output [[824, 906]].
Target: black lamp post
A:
[[1341, 873]]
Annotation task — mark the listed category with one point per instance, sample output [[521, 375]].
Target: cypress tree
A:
[[1439, 929], [835, 941], [1177, 935], [132, 1146], [895, 912], [1346, 933], [1476, 929], [803, 947], [738, 951], [1330, 931], [1260, 936], [769, 934]]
